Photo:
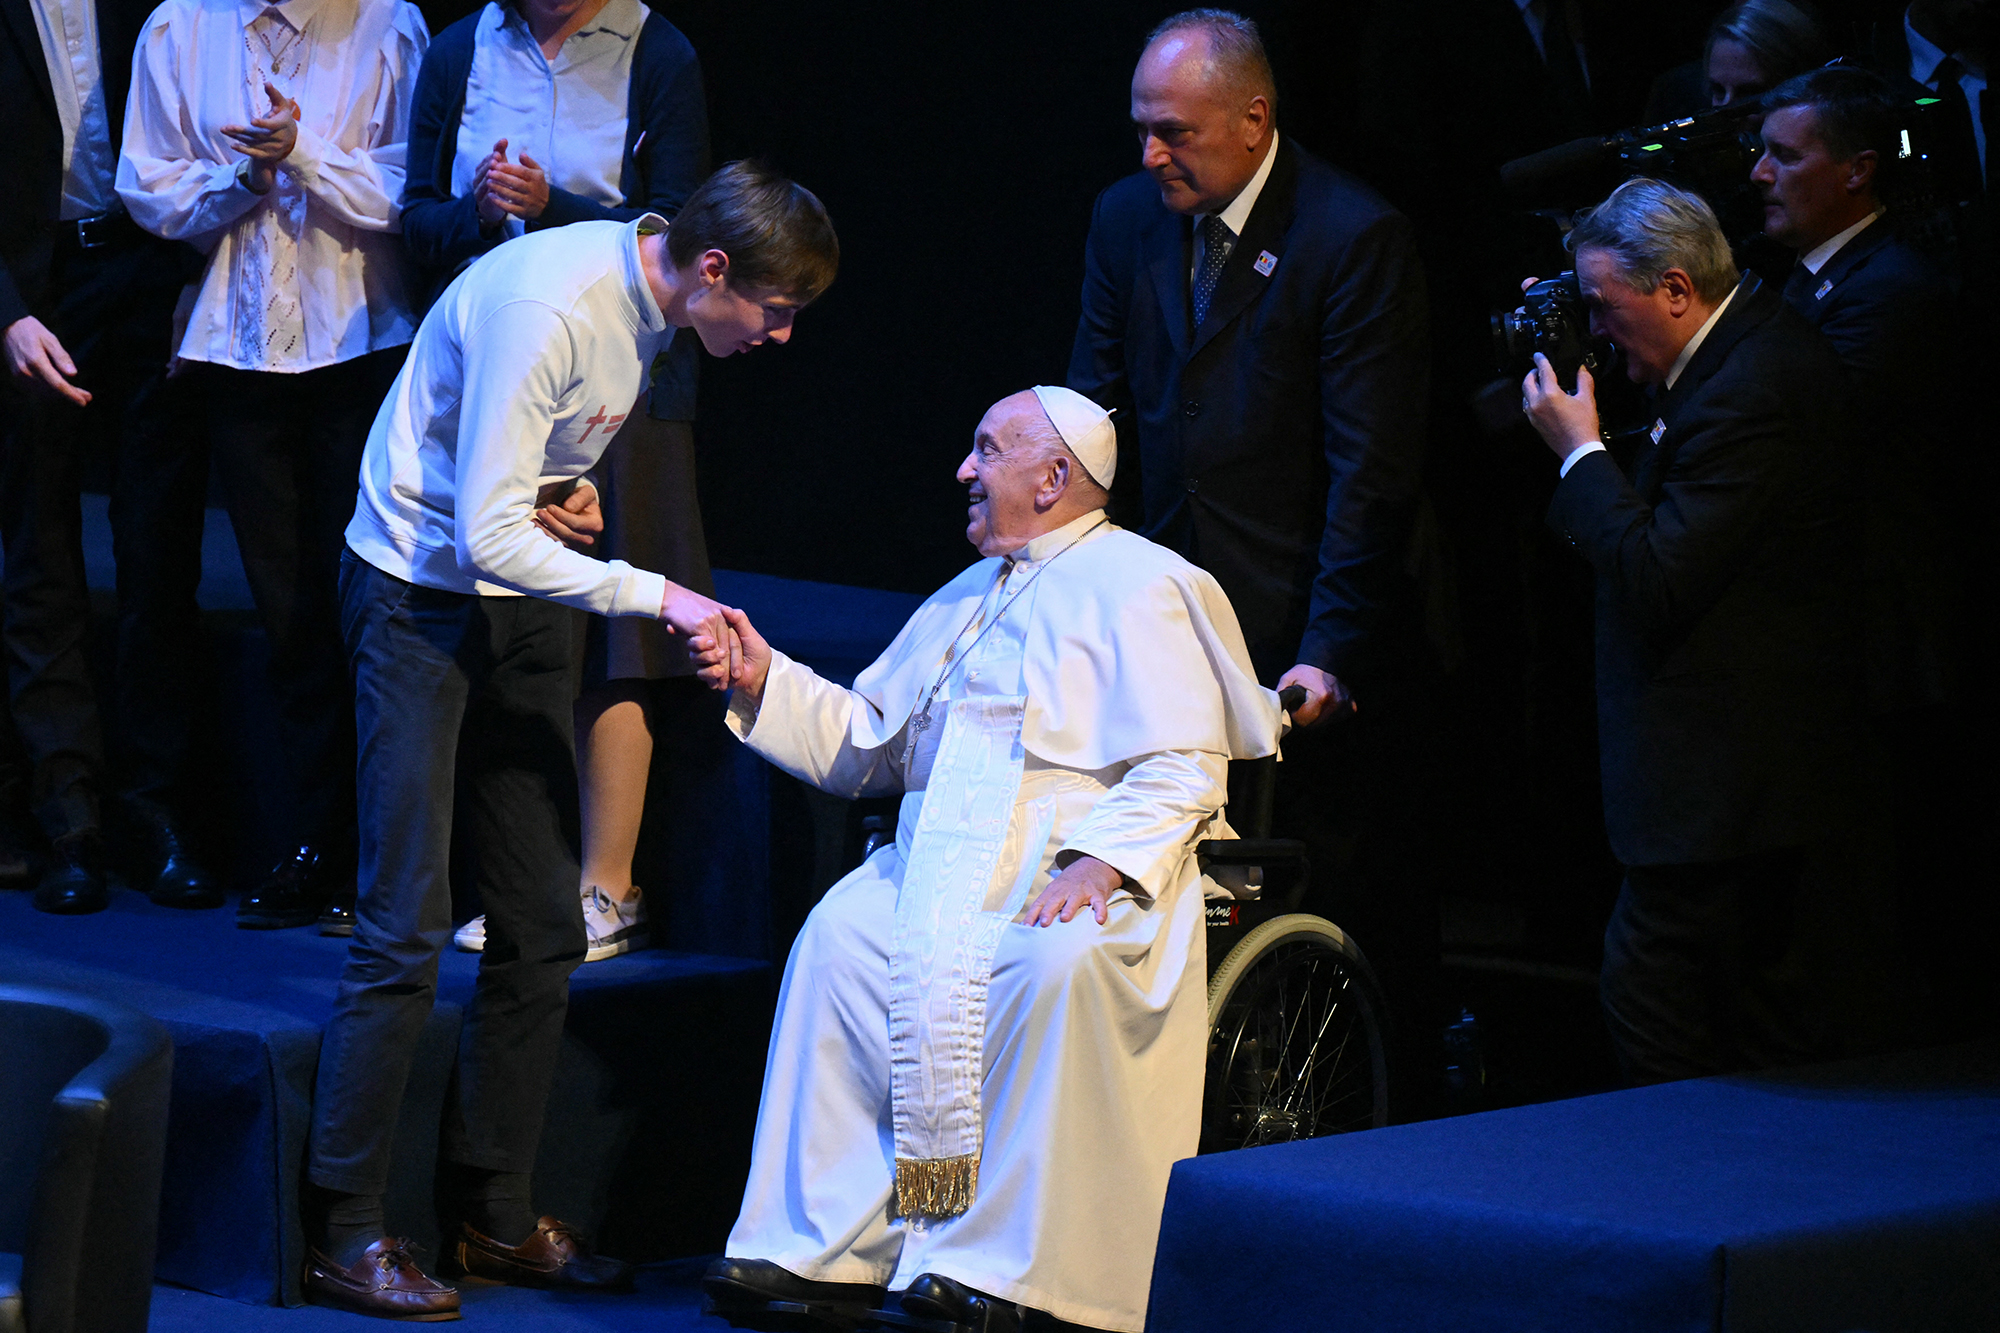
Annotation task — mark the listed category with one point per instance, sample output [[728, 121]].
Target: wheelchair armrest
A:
[[1251, 851]]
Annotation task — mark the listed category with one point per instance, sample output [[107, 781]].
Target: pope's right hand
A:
[[701, 617], [755, 667]]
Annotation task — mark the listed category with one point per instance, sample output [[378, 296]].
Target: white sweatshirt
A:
[[519, 376]]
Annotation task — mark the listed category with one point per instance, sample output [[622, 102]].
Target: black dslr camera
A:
[[1554, 321]]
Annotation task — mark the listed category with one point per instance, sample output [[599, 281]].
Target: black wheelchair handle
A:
[[1292, 698]]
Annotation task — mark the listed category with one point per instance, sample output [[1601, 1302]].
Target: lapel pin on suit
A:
[[1266, 261], [1659, 428], [1824, 288]]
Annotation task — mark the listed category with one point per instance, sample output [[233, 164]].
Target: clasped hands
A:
[[267, 140], [503, 189]]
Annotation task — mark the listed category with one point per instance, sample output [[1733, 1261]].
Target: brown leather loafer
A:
[[384, 1282], [554, 1256]]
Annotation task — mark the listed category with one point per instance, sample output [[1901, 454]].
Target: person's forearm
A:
[[803, 724], [1141, 827]]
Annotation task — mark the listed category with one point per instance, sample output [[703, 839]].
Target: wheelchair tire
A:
[[1296, 1038]]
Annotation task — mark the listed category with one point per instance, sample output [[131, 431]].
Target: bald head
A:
[[1021, 479], [1204, 106]]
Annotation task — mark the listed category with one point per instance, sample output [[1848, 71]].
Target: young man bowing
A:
[[463, 565]]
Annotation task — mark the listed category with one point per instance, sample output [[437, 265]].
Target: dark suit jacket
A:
[[1727, 648], [1890, 316], [31, 144], [1279, 446]]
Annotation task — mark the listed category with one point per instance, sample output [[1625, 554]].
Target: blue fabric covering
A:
[[1857, 1196], [648, 1131]]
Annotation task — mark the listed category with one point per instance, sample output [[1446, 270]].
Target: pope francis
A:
[[989, 1043]]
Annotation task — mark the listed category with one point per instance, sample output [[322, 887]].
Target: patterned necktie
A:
[[1215, 239]]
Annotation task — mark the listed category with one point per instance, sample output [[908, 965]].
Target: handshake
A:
[[727, 651]]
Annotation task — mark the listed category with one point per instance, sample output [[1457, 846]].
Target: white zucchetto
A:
[[1086, 428]]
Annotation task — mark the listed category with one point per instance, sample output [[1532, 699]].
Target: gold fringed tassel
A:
[[936, 1186]]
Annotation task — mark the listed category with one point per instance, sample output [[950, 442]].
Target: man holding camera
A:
[[1727, 659]]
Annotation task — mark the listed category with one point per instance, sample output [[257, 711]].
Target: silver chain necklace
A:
[[953, 659]]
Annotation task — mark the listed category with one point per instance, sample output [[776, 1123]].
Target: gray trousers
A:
[[460, 701]]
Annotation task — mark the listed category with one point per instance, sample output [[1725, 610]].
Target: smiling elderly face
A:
[[1008, 475]]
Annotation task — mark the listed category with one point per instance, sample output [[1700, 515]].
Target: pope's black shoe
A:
[[748, 1292], [337, 918], [74, 881], [159, 862], [296, 891], [935, 1296]]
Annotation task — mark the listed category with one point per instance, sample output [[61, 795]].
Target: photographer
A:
[[1726, 678], [1890, 316]]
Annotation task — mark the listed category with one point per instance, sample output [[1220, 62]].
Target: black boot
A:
[[159, 862], [74, 882], [297, 890]]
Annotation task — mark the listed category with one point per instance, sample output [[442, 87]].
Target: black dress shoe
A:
[[74, 882], [337, 917], [161, 864], [296, 891], [935, 1296], [744, 1286]]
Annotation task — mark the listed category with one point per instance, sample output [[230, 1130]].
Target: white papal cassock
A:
[[1029, 1087]]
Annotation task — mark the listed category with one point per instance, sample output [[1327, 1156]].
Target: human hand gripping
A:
[[1084, 882], [1326, 698], [1566, 421], [717, 655], [569, 512], [491, 214], [36, 359], [753, 664], [267, 140]]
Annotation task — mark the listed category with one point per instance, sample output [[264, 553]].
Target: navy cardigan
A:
[[665, 105]]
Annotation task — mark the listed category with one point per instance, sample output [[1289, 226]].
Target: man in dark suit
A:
[[1891, 317], [1727, 657], [1257, 319], [86, 305]]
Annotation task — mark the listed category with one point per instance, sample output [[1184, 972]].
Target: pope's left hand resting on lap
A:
[[990, 1041]]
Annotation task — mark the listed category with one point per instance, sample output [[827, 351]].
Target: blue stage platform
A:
[[648, 1131], [1858, 1196]]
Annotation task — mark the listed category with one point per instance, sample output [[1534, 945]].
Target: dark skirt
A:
[[652, 519]]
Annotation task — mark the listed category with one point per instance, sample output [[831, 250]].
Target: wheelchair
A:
[[1297, 1029]]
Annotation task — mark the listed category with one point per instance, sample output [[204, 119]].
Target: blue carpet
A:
[[666, 1300], [1864, 1195], [648, 1129]]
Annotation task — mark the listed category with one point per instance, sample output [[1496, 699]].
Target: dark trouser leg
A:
[[1697, 963], [520, 800], [1355, 792], [289, 449], [157, 499], [409, 648]]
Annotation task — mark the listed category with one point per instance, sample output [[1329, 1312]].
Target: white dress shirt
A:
[[1815, 258], [1237, 215], [68, 29], [1926, 56], [1680, 364], [312, 273], [514, 92]]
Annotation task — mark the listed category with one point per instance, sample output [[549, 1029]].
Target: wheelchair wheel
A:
[[1296, 1035]]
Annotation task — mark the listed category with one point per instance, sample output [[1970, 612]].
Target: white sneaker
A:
[[614, 927]]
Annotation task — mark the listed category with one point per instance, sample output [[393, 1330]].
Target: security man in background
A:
[[1831, 143], [1257, 319]]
